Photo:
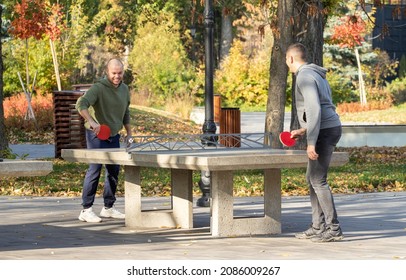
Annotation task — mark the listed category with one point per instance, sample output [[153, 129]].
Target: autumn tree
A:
[[308, 28], [230, 10], [349, 33], [30, 21], [282, 29], [295, 21], [3, 138], [54, 28]]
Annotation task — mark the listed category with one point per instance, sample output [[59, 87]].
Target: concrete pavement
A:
[[46, 232], [47, 228], [33, 151]]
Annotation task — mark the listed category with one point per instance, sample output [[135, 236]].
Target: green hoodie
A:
[[107, 104]]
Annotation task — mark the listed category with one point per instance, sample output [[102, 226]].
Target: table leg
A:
[[223, 222], [182, 197], [181, 214], [132, 189], [273, 200]]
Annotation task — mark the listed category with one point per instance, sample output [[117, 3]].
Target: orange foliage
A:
[[34, 18], [15, 109], [353, 107], [349, 33], [30, 19], [55, 22], [17, 105]]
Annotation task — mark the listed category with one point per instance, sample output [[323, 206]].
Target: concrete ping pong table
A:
[[221, 163]]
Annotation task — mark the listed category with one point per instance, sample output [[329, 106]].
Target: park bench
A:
[[221, 162], [23, 168]]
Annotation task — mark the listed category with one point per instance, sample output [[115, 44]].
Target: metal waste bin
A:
[[68, 123], [230, 123], [217, 108]]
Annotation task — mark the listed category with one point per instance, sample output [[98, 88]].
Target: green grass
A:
[[369, 169], [393, 115]]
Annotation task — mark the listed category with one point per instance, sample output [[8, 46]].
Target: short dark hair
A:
[[300, 50]]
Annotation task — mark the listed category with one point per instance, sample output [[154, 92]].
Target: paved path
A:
[[47, 228], [33, 151]]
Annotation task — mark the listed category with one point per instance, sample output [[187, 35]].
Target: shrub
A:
[[402, 67], [353, 107], [15, 109], [159, 62], [243, 79], [340, 80], [397, 88], [40, 65], [341, 87]]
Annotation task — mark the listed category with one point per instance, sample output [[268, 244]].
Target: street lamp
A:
[[193, 34], [209, 126], [193, 31]]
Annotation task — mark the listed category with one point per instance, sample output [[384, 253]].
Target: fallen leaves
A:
[[371, 169]]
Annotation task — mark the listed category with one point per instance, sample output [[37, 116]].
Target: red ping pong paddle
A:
[[104, 132], [286, 140]]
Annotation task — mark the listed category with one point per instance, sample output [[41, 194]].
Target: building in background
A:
[[390, 28]]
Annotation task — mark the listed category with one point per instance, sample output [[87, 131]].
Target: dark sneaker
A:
[[309, 233], [329, 236]]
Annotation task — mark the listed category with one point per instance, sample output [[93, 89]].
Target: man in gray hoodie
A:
[[322, 127]]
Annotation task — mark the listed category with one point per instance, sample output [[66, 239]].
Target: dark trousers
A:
[[93, 173], [321, 198]]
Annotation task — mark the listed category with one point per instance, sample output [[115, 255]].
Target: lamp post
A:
[[209, 126], [193, 34]]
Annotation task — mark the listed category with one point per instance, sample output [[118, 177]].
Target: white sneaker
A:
[[111, 213], [87, 215]]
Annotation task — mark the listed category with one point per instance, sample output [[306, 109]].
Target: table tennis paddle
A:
[[104, 132], [286, 139]]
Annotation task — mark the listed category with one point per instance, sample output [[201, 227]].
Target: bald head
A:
[[115, 71], [114, 62]]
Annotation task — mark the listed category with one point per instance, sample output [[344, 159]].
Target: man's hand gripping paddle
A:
[[286, 139]]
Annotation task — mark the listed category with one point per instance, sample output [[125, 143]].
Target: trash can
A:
[[68, 123], [217, 108], [230, 123]]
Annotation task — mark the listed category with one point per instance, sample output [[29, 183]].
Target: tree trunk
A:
[[30, 112], [275, 109], [226, 33], [308, 30], [56, 66], [362, 92], [27, 72], [28, 93], [3, 136]]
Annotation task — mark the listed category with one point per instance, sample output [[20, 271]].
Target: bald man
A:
[[322, 127], [106, 102]]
